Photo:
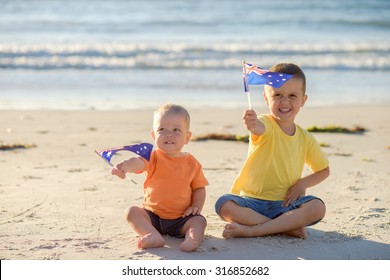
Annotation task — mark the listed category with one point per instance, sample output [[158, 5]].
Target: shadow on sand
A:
[[319, 245]]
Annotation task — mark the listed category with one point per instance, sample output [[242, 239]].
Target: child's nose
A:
[[285, 98]]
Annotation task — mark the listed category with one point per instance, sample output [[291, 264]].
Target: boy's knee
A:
[[199, 220], [319, 207], [131, 212], [322, 210], [226, 209], [220, 204]]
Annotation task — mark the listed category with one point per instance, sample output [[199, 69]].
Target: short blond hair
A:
[[170, 108]]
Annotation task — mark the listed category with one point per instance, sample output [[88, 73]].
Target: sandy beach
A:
[[59, 201]]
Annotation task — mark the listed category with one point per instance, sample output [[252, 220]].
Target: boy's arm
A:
[[198, 199], [252, 123], [132, 165], [299, 188]]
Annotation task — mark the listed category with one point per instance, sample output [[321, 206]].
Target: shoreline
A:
[[242, 105], [58, 200]]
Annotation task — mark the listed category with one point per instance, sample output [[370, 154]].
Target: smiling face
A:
[[171, 133], [285, 102]]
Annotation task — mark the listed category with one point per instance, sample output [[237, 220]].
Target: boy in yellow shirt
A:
[[269, 194], [174, 189]]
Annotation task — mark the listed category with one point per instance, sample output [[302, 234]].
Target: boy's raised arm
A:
[[252, 123], [132, 165]]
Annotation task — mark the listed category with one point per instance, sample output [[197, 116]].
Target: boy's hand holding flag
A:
[[143, 150]]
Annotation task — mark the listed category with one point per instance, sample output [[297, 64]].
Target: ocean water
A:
[[109, 55]]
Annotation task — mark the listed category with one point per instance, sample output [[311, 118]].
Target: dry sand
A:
[[59, 201]]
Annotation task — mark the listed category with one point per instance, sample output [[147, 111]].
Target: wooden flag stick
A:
[[110, 164], [249, 100]]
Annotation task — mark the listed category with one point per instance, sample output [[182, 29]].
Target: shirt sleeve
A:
[[315, 157], [147, 162], [199, 180], [256, 139]]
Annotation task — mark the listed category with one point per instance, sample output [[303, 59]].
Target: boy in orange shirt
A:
[[174, 188]]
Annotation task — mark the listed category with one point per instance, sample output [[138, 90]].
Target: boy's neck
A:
[[181, 154], [287, 127]]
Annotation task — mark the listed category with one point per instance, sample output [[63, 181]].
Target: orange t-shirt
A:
[[170, 182]]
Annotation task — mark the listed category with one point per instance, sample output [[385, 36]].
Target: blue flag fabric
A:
[[254, 75], [143, 149]]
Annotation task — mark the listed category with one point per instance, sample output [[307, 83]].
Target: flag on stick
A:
[[254, 75], [143, 150]]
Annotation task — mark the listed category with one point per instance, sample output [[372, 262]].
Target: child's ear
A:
[[265, 97], [304, 99], [153, 135], [188, 137]]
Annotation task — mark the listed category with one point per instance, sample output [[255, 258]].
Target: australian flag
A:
[[143, 149], [254, 75]]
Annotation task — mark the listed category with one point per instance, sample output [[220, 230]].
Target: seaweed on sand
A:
[[337, 129], [5, 147], [221, 136]]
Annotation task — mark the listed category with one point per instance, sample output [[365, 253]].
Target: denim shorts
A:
[[169, 227], [268, 208]]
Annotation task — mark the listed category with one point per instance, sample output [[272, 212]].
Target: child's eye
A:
[[177, 130]]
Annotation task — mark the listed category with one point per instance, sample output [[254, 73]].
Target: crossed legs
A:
[[245, 222]]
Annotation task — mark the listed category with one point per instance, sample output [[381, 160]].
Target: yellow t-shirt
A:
[[275, 161], [170, 182]]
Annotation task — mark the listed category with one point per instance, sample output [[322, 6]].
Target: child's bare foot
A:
[[300, 232], [236, 230], [191, 241], [151, 241]]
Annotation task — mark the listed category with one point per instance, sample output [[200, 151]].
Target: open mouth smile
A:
[[285, 110]]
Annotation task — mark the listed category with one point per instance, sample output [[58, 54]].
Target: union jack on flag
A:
[[254, 75], [143, 149]]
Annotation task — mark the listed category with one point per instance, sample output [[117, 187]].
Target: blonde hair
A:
[[171, 109]]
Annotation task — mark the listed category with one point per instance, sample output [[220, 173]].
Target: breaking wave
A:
[[335, 56]]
